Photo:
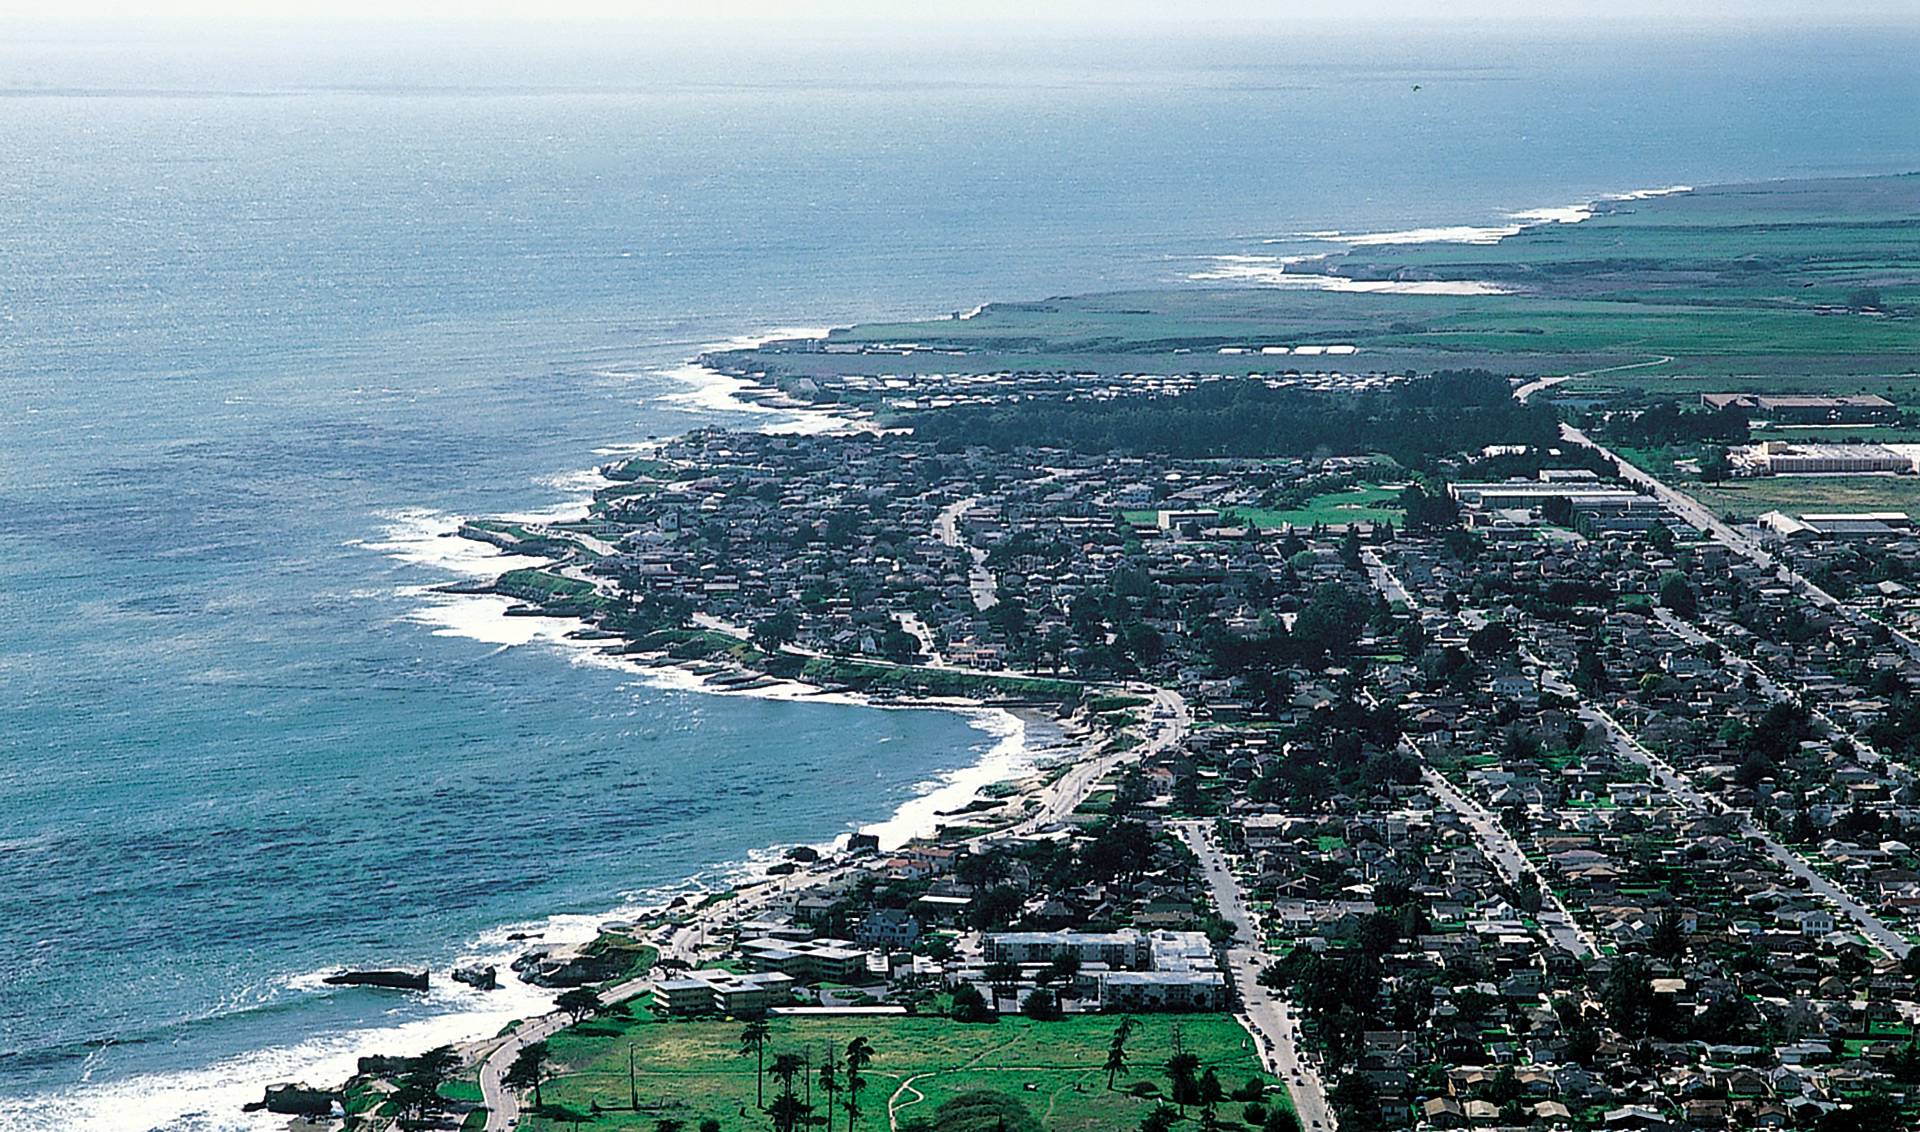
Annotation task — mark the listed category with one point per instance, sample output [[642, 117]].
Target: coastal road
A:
[[503, 1103], [1268, 1017], [1168, 725]]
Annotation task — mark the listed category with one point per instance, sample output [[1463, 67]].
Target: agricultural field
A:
[[692, 1071], [1746, 498], [1788, 285]]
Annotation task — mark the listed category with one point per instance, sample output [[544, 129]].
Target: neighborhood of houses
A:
[[1545, 811]]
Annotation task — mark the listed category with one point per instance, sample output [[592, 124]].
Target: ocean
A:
[[267, 332]]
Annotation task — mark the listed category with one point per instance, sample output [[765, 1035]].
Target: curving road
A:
[[1168, 725]]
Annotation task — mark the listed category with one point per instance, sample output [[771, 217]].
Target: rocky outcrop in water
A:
[[392, 980]]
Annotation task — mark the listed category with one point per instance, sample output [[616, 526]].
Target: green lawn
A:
[[1368, 503], [690, 1071]]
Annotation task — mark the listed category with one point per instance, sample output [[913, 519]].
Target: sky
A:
[[911, 14], [251, 45]]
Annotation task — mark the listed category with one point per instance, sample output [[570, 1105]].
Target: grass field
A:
[[690, 1071], [1368, 503], [1797, 494], [1800, 285]]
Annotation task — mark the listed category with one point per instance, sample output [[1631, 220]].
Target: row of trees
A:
[[1446, 413], [841, 1081]]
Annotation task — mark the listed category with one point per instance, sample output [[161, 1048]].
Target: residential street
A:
[[1871, 926], [1267, 1016], [1504, 852]]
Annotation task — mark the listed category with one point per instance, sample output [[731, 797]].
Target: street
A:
[[1265, 1014]]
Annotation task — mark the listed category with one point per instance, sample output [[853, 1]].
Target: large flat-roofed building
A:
[[1527, 494], [1847, 409], [1855, 525], [716, 991], [1781, 458], [808, 961], [1124, 950], [1163, 990]]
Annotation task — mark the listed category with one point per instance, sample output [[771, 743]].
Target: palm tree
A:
[[859, 1054], [529, 1068], [830, 1082], [753, 1040], [1117, 1050], [787, 1108]]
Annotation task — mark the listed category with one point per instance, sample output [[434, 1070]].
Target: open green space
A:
[[692, 1071], [1368, 503], [1790, 282], [1797, 494]]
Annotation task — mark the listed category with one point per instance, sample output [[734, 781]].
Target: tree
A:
[[1211, 1094], [1280, 1119], [1628, 997], [578, 1003], [1117, 1051], [1040, 1005], [528, 1069], [418, 1089], [753, 1040], [788, 1109], [1864, 299], [1002, 976], [1676, 594], [859, 1056], [977, 1110], [830, 1082], [1161, 1119], [1183, 1077], [776, 630], [969, 1005]]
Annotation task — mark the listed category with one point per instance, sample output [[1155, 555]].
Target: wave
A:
[[210, 1098], [1272, 270], [1481, 234]]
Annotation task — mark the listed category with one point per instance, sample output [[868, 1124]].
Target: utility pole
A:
[[633, 1089]]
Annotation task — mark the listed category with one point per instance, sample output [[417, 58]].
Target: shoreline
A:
[[484, 617], [1280, 270]]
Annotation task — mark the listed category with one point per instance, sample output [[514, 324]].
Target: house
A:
[[887, 927]]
